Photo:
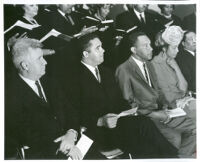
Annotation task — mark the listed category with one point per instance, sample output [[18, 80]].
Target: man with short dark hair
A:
[[101, 102], [37, 114], [138, 84], [186, 59]]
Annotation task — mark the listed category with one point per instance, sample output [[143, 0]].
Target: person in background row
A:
[[186, 59], [167, 16], [106, 34], [140, 17]]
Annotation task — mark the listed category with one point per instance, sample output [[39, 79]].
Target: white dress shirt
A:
[[33, 21], [32, 84], [138, 15], [62, 13], [91, 68], [140, 65], [191, 52]]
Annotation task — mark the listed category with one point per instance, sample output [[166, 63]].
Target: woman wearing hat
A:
[[170, 80]]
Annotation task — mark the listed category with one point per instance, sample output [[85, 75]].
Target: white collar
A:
[[30, 82], [138, 62], [91, 68], [168, 17], [35, 22], [138, 14], [61, 12], [191, 52], [141, 67]]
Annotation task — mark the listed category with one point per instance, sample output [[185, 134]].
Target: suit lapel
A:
[[89, 74], [134, 17], [135, 67]]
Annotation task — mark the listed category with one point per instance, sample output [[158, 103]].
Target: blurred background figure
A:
[[167, 16], [189, 21]]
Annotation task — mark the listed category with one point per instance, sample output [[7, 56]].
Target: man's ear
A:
[[183, 43], [133, 50], [85, 54], [24, 66]]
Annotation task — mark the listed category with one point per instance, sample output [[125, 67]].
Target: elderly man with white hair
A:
[[34, 117]]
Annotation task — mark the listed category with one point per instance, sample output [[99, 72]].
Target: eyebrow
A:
[[99, 46]]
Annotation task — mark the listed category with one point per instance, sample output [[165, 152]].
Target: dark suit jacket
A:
[[128, 19], [135, 88], [162, 21], [189, 22], [33, 122], [98, 99], [187, 64], [60, 23]]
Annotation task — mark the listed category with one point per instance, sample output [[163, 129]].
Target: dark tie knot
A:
[[39, 90]]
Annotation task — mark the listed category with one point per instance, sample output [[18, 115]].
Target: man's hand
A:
[[160, 115], [67, 142], [118, 40], [88, 30], [13, 39], [103, 28], [108, 121], [75, 153]]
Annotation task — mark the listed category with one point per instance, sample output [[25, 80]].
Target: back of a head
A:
[[20, 49]]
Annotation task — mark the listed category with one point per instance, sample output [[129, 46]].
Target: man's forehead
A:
[[190, 34], [143, 39], [35, 51], [95, 42]]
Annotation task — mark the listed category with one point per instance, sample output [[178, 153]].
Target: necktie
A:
[[142, 19], [69, 19], [146, 74], [97, 74], [40, 91]]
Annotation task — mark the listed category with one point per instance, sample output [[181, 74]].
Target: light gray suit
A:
[[180, 131]]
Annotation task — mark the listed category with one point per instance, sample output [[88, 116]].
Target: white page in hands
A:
[[176, 112], [23, 25], [84, 145], [128, 112], [107, 22], [53, 32]]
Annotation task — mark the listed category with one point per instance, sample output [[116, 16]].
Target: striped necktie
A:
[[98, 74], [40, 91]]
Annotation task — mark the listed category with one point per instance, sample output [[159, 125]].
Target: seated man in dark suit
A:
[[186, 59], [101, 102], [137, 82], [37, 114]]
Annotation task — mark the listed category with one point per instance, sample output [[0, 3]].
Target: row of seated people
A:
[[63, 64], [97, 102], [39, 115]]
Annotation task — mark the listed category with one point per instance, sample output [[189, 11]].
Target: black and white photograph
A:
[[100, 80]]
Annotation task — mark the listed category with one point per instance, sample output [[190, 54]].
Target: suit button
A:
[[55, 117]]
